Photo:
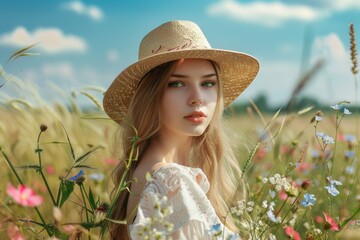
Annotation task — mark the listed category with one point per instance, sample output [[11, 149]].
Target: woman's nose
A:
[[196, 97], [197, 101]]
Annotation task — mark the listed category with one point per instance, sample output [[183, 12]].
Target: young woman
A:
[[174, 96]]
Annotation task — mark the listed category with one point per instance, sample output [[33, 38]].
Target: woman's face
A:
[[190, 98]]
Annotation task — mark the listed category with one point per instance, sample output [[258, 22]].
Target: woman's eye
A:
[[208, 84], [175, 84]]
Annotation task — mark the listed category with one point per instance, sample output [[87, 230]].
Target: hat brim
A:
[[237, 71]]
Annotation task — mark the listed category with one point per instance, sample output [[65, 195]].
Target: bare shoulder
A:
[[137, 187]]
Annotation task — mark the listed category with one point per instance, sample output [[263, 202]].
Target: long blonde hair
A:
[[211, 151]]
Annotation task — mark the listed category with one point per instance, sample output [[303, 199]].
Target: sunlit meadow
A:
[[301, 169]]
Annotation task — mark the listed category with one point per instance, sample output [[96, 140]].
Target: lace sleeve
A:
[[174, 204]]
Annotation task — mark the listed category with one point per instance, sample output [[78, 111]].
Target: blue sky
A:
[[87, 43]]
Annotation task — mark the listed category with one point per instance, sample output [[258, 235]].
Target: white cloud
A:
[[50, 40], [62, 70], [270, 14], [112, 56], [335, 82], [79, 7], [343, 5], [329, 47]]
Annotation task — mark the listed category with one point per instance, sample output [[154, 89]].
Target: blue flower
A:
[[350, 170], [216, 230], [271, 216], [349, 154], [309, 200], [336, 107], [350, 138], [333, 182], [325, 138], [97, 177], [77, 176], [315, 153], [332, 190], [346, 111]]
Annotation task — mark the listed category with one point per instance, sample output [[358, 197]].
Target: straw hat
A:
[[176, 40]]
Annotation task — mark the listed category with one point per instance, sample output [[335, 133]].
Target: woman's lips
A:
[[196, 117]]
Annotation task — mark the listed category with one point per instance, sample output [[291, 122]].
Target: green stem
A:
[[38, 151], [84, 200], [48, 188], [122, 181], [335, 137], [277, 214]]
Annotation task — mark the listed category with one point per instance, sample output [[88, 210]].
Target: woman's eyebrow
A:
[[185, 76]]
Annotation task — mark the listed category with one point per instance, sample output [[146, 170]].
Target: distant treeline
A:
[[295, 105]]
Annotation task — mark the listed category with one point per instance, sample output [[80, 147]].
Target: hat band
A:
[[186, 44]]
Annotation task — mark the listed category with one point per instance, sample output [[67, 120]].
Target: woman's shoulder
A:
[[168, 177]]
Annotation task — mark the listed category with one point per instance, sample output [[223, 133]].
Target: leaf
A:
[[68, 139], [90, 225], [22, 52], [84, 166], [37, 167], [305, 110], [92, 200], [66, 188], [251, 156], [56, 232], [116, 221], [85, 155]]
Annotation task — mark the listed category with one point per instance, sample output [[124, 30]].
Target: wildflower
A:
[[332, 190], [272, 216], [349, 154], [350, 138], [318, 116], [50, 169], [239, 210], [336, 107], [325, 138], [346, 111], [264, 204], [57, 214], [315, 153], [309, 200], [97, 177], [24, 196], [289, 231], [216, 230], [272, 193], [13, 232], [111, 162], [353, 52], [305, 184], [333, 182], [330, 223], [350, 170], [43, 127], [78, 178]]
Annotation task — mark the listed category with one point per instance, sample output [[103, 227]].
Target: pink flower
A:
[[24, 196], [50, 169], [14, 233], [330, 223], [292, 233], [111, 161]]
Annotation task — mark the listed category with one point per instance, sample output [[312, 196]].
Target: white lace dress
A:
[[174, 205]]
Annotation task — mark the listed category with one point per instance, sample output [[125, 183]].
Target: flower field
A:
[[300, 167]]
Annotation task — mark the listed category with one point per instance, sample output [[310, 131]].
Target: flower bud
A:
[[43, 127], [306, 184]]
